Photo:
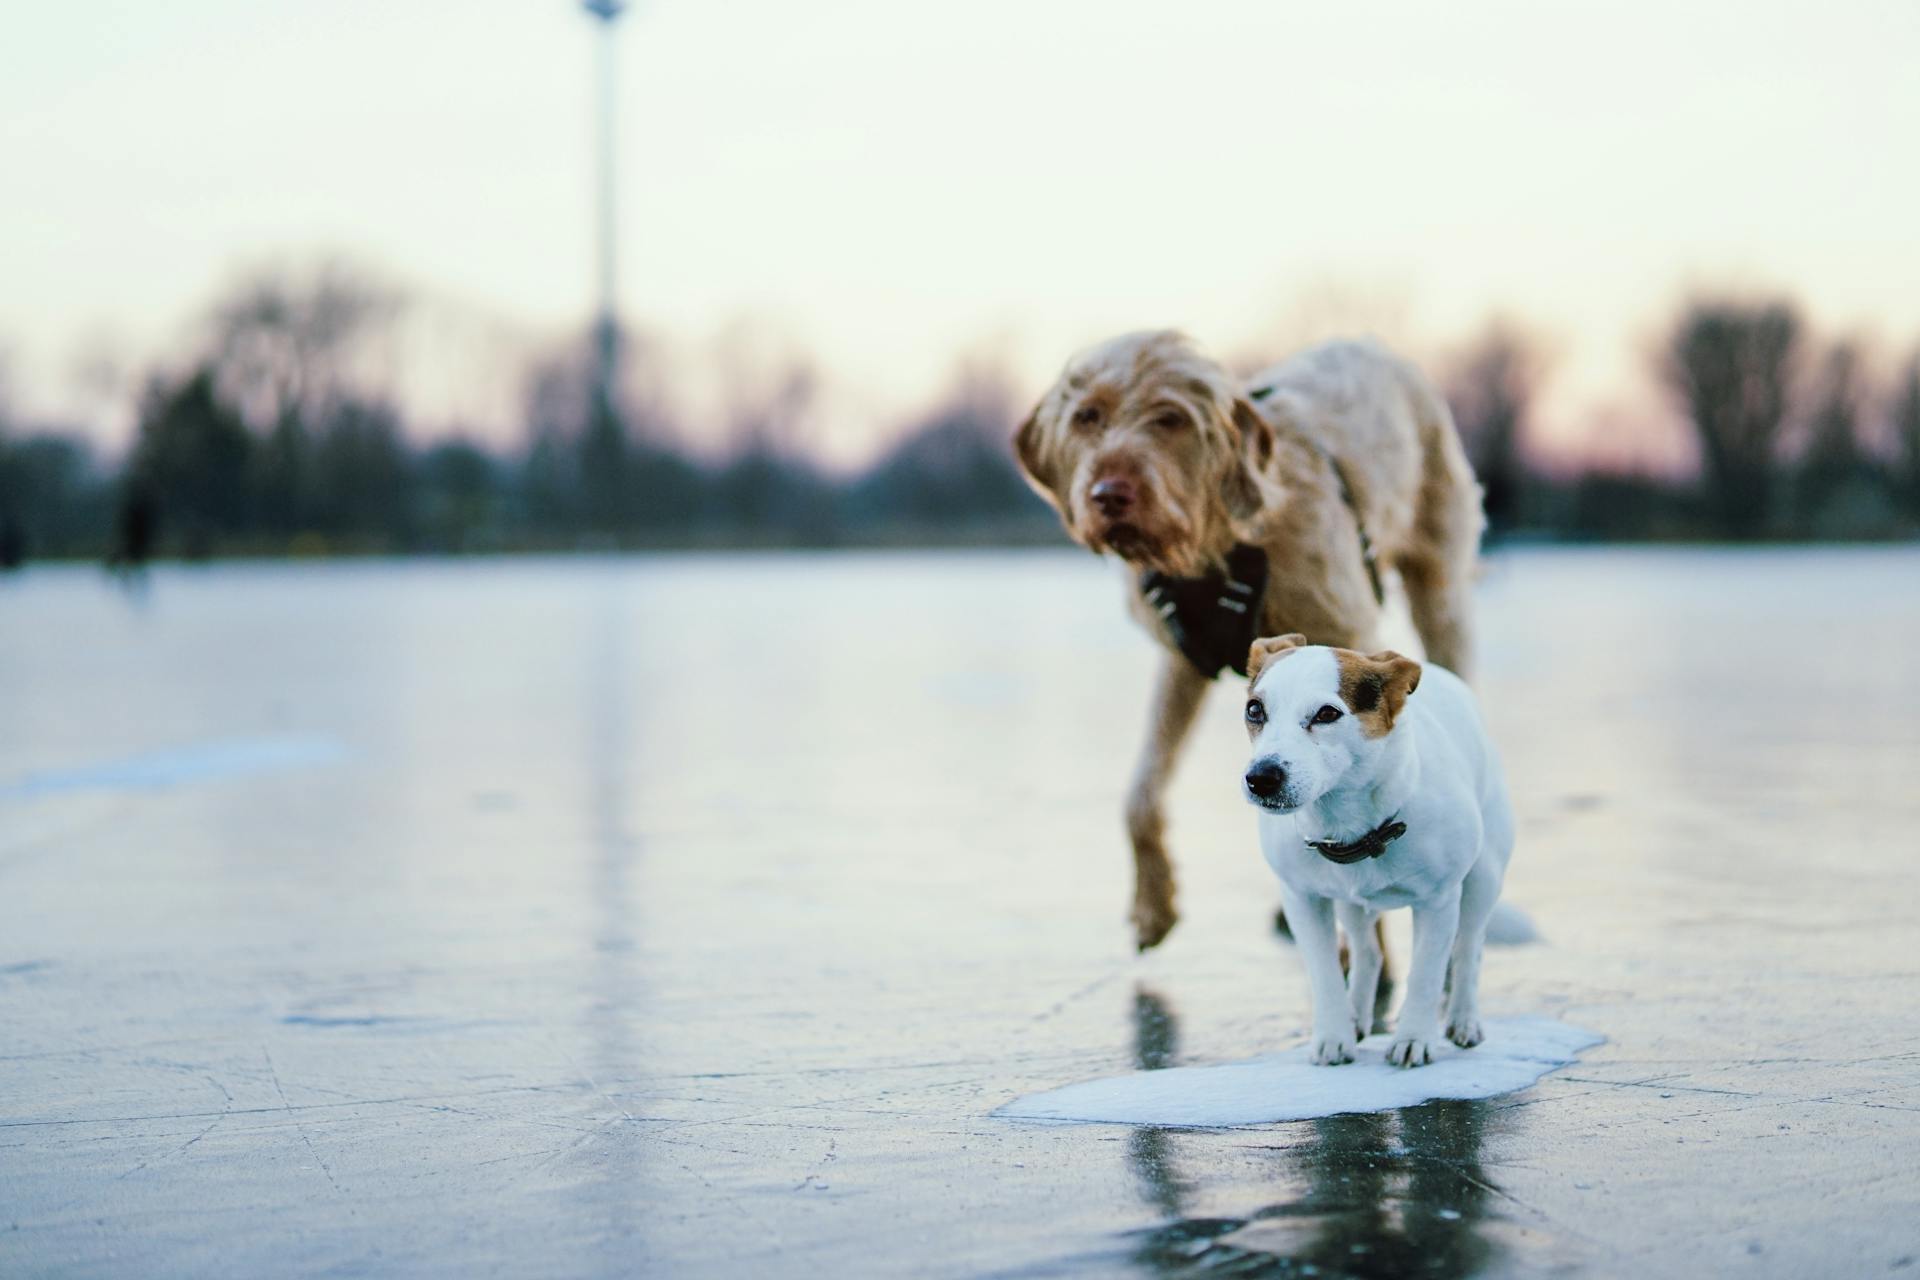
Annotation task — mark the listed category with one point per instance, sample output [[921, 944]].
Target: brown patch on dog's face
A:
[[1375, 687], [1268, 650], [1139, 446]]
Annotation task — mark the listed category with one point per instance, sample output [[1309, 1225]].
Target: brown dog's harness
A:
[[1214, 619], [1367, 558], [1370, 845]]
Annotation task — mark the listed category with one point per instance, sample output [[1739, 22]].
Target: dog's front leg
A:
[[1434, 924], [1176, 701], [1334, 1030], [1368, 957], [1477, 897]]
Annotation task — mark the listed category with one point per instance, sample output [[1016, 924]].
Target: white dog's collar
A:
[[1370, 845]]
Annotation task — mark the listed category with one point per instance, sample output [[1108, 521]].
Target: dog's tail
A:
[[1509, 926]]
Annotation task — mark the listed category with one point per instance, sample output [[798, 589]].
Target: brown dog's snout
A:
[[1112, 495]]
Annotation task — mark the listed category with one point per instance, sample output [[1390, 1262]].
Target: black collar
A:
[[1213, 620], [1370, 845]]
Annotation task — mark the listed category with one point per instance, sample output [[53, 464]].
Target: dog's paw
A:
[[1332, 1050], [1410, 1051], [1152, 920], [1366, 1023], [1465, 1032]]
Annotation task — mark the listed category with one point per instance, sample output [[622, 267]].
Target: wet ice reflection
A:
[[693, 915], [1379, 1194]]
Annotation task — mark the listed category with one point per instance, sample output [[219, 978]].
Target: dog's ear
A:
[[1376, 686], [1253, 449], [1269, 650], [1026, 449], [1026, 452]]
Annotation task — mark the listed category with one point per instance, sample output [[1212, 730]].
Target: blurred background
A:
[[684, 898], [309, 279]]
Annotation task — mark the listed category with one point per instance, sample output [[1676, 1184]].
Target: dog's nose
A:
[[1266, 779], [1113, 496]]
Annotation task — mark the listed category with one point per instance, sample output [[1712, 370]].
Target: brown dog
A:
[[1249, 510]]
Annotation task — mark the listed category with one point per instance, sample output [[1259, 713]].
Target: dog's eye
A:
[[1326, 715], [1169, 420], [1256, 714], [1087, 415]]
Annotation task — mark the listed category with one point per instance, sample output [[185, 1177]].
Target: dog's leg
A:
[[1363, 971], [1477, 897], [1383, 993], [1441, 599], [1333, 1023], [1440, 558], [1382, 989], [1435, 924], [1176, 701]]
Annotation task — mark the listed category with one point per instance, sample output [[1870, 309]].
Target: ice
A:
[[200, 762], [623, 911], [1287, 1086]]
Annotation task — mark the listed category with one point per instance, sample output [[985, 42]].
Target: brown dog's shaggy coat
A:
[[1152, 452]]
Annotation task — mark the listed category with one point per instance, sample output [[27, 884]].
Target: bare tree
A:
[[1833, 463], [591, 473], [770, 387], [1906, 430], [556, 410], [1731, 364], [1490, 388], [290, 345], [952, 469], [100, 374], [294, 350], [767, 486], [190, 463]]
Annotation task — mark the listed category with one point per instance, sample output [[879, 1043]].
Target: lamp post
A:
[[604, 448]]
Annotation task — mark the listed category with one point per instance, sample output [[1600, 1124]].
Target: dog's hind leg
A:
[[1368, 954], [1441, 598], [1383, 989], [1441, 555], [1477, 896], [1176, 701], [1435, 925]]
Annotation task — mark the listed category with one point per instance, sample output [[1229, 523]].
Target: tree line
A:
[[1795, 437], [269, 443]]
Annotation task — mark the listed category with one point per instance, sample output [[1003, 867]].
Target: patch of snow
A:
[[1288, 1086]]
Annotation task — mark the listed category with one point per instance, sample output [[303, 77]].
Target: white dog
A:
[[1375, 796]]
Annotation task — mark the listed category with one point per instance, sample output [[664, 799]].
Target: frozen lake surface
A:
[[694, 915]]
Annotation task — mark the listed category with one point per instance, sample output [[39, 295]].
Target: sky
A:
[[896, 187]]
